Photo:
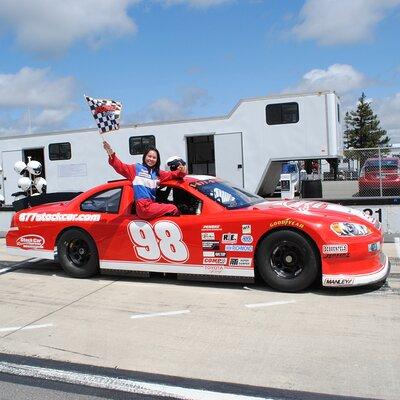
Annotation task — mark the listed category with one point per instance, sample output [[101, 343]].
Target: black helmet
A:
[[174, 162]]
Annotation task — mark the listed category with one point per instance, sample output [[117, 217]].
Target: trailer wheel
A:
[[287, 261], [77, 254]]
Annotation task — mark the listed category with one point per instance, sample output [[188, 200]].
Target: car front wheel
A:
[[287, 261], [77, 254]]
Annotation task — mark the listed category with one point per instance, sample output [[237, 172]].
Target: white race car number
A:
[[164, 239]]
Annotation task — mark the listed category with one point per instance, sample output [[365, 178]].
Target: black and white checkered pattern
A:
[[107, 120]]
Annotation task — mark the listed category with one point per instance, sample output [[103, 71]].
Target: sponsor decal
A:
[[211, 228], [211, 245], [214, 254], [286, 222], [58, 217], [366, 215], [144, 174], [336, 256], [246, 228], [240, 262], [238, 247], [372, 247], [230, 238], [304, 206], [214, 261], [338, 281], [246, 239], [335, 249], [207, 236], [214, 269], [31, 242]]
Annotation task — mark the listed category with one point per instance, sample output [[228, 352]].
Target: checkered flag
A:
[[105, 112]]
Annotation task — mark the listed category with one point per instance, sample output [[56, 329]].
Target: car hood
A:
[[314, 208], [49, 207]]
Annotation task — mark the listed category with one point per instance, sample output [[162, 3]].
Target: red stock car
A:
[[222, 231], [380, 173]]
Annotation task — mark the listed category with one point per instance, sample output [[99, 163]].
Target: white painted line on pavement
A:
[[14, 266], [160, 314], [15, 328], [397, 246], [32, 260], [124, 385], [272, 303], [248, 288], [37, 326]]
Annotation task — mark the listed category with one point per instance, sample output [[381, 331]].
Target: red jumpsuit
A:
[[146, 207]]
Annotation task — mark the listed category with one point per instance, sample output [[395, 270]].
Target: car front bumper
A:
[[348, 280]]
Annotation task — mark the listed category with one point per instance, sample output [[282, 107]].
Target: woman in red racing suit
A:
[[145, 178]]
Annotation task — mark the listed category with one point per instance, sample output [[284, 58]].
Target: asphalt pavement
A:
[[321, 342]]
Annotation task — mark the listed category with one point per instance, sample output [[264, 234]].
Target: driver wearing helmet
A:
[[145, 178]]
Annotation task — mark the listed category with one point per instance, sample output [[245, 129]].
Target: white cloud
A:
[[48, 100], [53, 117], [165, 109], [332, 22], [195, 3], [388, 110], [342, 78], [52, 26], [34, 88]]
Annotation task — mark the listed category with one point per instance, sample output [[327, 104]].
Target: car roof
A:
[[383, 159]]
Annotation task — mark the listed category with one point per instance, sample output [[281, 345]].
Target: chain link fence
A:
[[372, 172]]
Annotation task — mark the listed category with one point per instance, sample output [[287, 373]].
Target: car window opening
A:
[[106, 201], [187, 203], [228, 196]]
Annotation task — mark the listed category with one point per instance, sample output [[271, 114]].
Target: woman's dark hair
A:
[[157, 164]]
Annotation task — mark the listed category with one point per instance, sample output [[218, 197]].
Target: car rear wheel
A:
[[287, 261], [77, 254]]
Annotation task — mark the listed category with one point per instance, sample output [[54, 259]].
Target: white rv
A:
[[246, 147]]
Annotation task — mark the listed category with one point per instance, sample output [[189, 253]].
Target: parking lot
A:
[[338, 341]]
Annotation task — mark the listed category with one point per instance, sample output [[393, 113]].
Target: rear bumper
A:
[[344, 280], [376, 185]]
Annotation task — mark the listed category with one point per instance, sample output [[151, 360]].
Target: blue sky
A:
[[174, 59]]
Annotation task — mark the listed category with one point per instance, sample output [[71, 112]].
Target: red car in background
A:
[[378, 173], [222, 231]]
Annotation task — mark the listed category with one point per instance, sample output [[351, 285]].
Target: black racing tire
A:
[[77, 254], [287, 261]]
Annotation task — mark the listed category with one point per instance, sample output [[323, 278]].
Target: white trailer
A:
[[246, 147]]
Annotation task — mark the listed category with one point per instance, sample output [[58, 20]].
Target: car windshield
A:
[[384, 164], [226, 195]]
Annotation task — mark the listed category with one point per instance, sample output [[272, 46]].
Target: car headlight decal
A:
[[350, 229]]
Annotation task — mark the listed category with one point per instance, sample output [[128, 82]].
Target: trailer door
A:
[[10, 177], [229, 157]]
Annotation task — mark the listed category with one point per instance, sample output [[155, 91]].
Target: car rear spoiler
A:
[[44, 198]]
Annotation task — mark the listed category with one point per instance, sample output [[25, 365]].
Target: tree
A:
[[362, 128]]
